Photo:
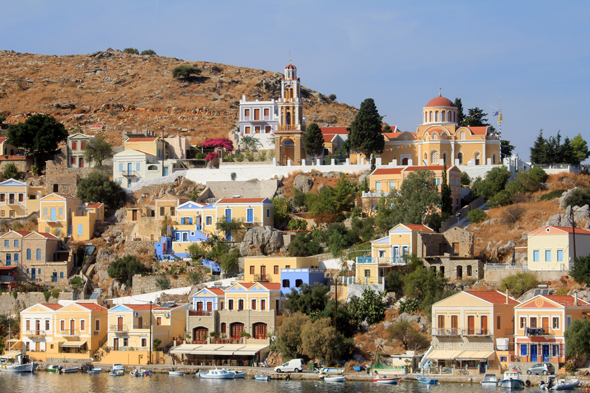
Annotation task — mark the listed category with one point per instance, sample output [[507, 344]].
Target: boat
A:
[[386, 381], [21, 364], [334, 378], [264, 378], [218, 374], [489, 380], [428, 381], [54, 368], [331, 370], [94, 370], [176, 373], [140, 372], [562, 384], [118, 367], [71, 370], [117, 373], [511, 380], [238, 374]]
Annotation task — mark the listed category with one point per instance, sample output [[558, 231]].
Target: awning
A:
[[251, 350], [477, 355], [216, 349], [10, 354], [442, 354], [73, 344], [184, 348]]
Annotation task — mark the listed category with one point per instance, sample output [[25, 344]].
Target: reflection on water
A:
[[162, 383]]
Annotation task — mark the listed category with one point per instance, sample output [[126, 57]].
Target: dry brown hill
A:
[[126, 92]]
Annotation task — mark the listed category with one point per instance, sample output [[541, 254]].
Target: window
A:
[[522, 322], [82, 325], [438, 181], [80, 229], [38, 254], [555, 350], [298, 283], [162, 211], [253, 304], [62, 325], [276, 270], [257, 129], [555, 322], [21, 197], [547, 255], [137, 166], [256, 114], [381, 253], [125, 342], [266, 112], [378, 186], [6, 243], [262, 304], [28, 324], [247, 112], [2, 197], [252, 269], [61, 212], [47, 324], [286, 284], [223, 328], [498, 322], [535, 255], [74, 145], [441, 321], [391, 185], [61, 275], [208, 220], [268, 213], [246, 130], [569, 320], [230, 304], [559, 255], [523, 350], [81, 145], [533, 322], [158, 321], [454, 321], [8, 260], [144, 342], [73, 160], [16, 256], [171, 211], [367, 273]]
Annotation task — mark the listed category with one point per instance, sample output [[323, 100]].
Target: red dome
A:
[[440, 101], [290, 67]]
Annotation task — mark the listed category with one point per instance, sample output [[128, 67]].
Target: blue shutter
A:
[[120, 167], [8, 260], [16, 258], [137, 166], [28, 254], [80, 229], [38, 254], [250, 215], [61, 275]]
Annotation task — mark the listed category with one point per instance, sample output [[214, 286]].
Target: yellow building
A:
[[18, 199], [439, 139], [56, 212], [468, 327], [148, 144], [551, 247], [165, 206], [249, 211], [84, 220], [540, 326], [389, 252], [38, 329], [268, 269]]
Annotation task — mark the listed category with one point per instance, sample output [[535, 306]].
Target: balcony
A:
[[36, 333], [446, 332], [118, 328], [476, 332], [129, 174], [71, 333], [200, 313], [14, 201], [393, 261], [145, 325], [262, 278], [536, 331]]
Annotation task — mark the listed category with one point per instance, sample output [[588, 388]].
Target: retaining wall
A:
[[10, 305]]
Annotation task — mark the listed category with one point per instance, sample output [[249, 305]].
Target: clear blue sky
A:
[[534, 55]]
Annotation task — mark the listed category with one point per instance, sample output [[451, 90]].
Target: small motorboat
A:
[[217, 374], [176, 373], [238, 374], [140, 372], [490, 380], [264, 378], [386, 381], [117, 373], [94, 370], [332, 370], [118, 367], [71, 370], [21, 364], [54, 368], [334, 378], [428, 381], [562, 384], [511, 380]]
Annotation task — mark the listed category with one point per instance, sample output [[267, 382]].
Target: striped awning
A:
[[73, 344]]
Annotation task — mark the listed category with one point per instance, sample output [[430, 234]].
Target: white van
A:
[[293, 365]]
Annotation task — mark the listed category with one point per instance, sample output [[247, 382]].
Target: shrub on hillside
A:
[[500, 199], [579, 197], [476, 216], [552, 195], [148, 52], [519, 283], [185, 71], [131, 51], [10, 171], [123, 269], [512, 214]]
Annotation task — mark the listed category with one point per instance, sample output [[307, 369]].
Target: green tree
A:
[[250, 143], [303, 245], [369, 307], [185, 71], [232, 228], [148, 52], [362, 229], [505, 148], [424, 286], [519, 283], [581, 270], [123, 269], [476, 216], [289, 335], [366, 135], [195, 277], [39, 135], [409, 335], [540, 153], [460, 115], [417, 198], [577, 339], [308, 299], [578, 197], [229, 262], [394, 282], [98, 187], [282, 208], [552, 151], [476, 118], [313, 140], [321, 341], [131, 51], [465, 179], [580, 149], [494, 182], [163, 283], [98, 149], [10, 171], [446, 201]]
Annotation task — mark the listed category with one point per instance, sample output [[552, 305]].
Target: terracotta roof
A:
[[95, 205], [566, 300], [483, 130], [493, 297], [66, 196], [392, 135], [7, 267], [328, 138], [418, 227], [246, 284], [3, 139], [144, 139], [333, 130], [440, 101], [14, 158], [290, 67], [53, 306], [153, 203], [92, 306], [241, 200], [23, 233], [47, 235], [139, 307], [217, 291], [388, 171], [273, 286], [543, 230]]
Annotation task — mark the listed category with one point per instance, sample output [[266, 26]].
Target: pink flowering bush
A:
[[223, 143], [211, 156]]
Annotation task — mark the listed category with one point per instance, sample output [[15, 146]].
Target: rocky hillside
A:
[[127, 92]]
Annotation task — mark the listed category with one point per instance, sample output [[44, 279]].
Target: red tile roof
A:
[[140, 307], [440, 101], [23, 233], [418, 227], [53, 306], [241, 200], [95, 205], [47, 235], [479, 130], [246, 284], [388, 171], [333, 130], [217, 291], [542, 231], [328, 138], [144, 139], [290, 67], [495, 297], [66, 196], [7, 267], [3, 139], [273, 286], [92, 306], [566, 300]]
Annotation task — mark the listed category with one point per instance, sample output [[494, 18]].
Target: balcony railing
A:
[[536, 331], [199, 313], [446, 332], [38, 333], [476, 332], [118, 328], [71, 333], [122, 348], [14, 201], [383, 260], [130, 174], [262, 278], [145, 325]]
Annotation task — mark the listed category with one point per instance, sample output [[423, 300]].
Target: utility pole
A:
[[573, 230], [336, 306], [151, 341]]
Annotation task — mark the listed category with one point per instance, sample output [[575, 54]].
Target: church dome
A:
[[290, 67], [439, 101]]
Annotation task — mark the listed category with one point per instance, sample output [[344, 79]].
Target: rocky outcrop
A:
[[421, 321], [302, 183], [564, 196], [262, 241], [564, 220]]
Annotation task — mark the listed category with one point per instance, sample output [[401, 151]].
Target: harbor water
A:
[[163, 383]]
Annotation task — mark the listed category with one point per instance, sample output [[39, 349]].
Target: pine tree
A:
[[313, 140], [460, 115], [365, 131], [540, 150], [446, 201]]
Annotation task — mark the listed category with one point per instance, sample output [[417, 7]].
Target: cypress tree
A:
[[366, 136]]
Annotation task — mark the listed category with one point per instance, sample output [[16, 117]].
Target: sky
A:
[[529, 57]]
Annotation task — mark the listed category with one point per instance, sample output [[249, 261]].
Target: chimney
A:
[[507, 298], [576, 299]]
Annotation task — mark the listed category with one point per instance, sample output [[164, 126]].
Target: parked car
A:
[[293, 365], [541, 368]]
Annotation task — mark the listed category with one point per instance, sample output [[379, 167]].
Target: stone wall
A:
[[10, 305], [139, 248], [461, 214], [246, 189], [23, 165], [147, 284], [67, 179], [495, 273]]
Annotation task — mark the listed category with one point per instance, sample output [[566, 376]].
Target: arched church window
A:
[[454, 114], [288, 118], [434, 136], [443, 116], [476, 155], [462, 136], [460, 158], [430, 117], [434, 158], [494, 159], [425, 117], [436, 116]]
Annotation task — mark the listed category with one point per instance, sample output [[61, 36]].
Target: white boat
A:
[[71, 370], [386, 381], [94, 370], [562, 384], [118, 367], [238, 374], [21, 364], [264, 378], [54, 368], [176, 373], [117, 373], [217, 374], [334, 378], [489, 380], [140, 372], [332, 370], [511, 380]]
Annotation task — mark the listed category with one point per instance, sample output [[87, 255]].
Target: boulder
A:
[[303, 183], [358, 358], [580, 213], [559, 220], [421, 321], [564, 196], [261, 240]]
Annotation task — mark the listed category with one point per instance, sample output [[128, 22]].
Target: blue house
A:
[[294, 278]]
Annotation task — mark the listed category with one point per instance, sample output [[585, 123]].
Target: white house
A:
[[259, 119], [130, 166]]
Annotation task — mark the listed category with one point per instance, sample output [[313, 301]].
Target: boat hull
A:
[[264, 378], [176, 373], [19, 368], [386, 381], [428, 381], [511, 384], [334, 379], [332, 370]]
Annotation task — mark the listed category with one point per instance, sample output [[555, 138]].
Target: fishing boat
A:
[[54, 368], [264, 378], [140, 372], [386, 381], [117, 373], [489, 380], [176, 373], [218, 374], [71, 370], [511, 380], [94, 370], [334, 378], [238, 374], [332, 370], [428, 381], [562, 384], [21, 364]]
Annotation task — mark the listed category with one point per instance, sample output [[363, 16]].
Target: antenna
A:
[[440, 91], [290, 61]]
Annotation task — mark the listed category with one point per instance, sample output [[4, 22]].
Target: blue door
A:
[[534, 352], [54, 278], [53, 214], [33, 274], [129, 168], [250, 217], [545, 353], [198, 223], [165, 171], [228, 215], [128, 183]]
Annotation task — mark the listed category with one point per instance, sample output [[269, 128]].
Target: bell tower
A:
[[288, 137]]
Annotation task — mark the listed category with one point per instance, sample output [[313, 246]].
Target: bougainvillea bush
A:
[[223, 143], [211, 156]]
